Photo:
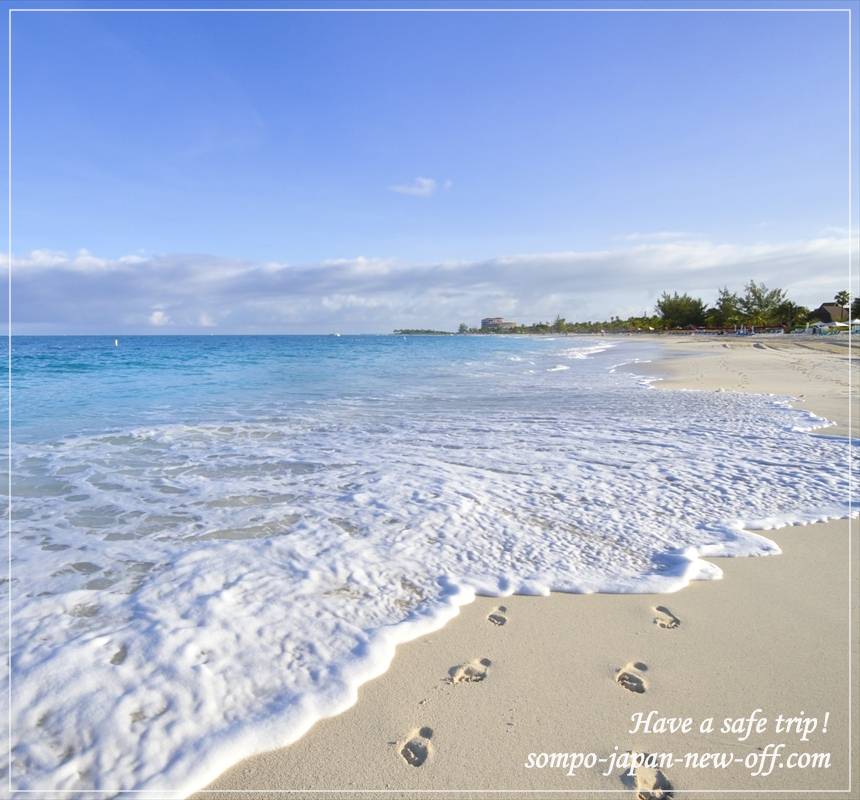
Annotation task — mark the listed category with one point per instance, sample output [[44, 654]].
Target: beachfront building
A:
[[831, 312], [494, 324]]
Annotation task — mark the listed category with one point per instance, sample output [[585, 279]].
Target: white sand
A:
[[773, 634], [813, 369]]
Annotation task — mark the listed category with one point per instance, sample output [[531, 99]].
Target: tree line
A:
[[756, 306]]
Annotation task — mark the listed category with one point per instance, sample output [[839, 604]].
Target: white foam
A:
[[250, 576], [588, 350]]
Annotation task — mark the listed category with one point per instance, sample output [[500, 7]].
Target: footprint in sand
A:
[[498, 617], [651, 784], [629, 677], [471, 672], [418, 747], [665, 618]]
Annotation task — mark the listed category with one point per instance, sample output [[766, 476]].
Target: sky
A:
[[194, 172]]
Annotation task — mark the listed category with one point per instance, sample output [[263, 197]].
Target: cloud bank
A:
[[54, 292]]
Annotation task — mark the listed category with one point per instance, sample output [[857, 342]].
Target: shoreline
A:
[[539, 677], [704, 362]]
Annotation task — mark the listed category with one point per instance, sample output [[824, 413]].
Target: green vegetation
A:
[[756, 306], [681, 310]]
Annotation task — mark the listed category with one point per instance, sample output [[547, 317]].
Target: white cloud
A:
[[158, 318], [85, 260], [338, 302], [82, 261], [420, 187], [360, 265], [53, 292], [42, 259]]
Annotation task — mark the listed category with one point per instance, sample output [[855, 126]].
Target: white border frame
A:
[[154, 793]]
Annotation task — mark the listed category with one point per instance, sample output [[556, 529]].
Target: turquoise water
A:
[[78, 384], [216, 540]]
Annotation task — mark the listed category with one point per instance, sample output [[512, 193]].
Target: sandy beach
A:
[[475, 704], [431, 400]]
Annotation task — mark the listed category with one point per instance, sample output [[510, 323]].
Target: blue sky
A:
[[348, 154]]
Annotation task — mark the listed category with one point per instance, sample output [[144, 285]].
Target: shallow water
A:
[[217, 539]]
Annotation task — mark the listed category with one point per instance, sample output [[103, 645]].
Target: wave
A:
[[189, 594]]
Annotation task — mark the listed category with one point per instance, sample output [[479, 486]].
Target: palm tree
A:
[[842, 299]]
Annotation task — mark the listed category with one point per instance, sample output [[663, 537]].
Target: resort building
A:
[[497, 324], [831, 312]]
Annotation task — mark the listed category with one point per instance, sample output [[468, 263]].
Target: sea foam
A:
[[186, 594]]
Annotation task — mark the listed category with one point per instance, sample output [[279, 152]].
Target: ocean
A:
[[217, 540]]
